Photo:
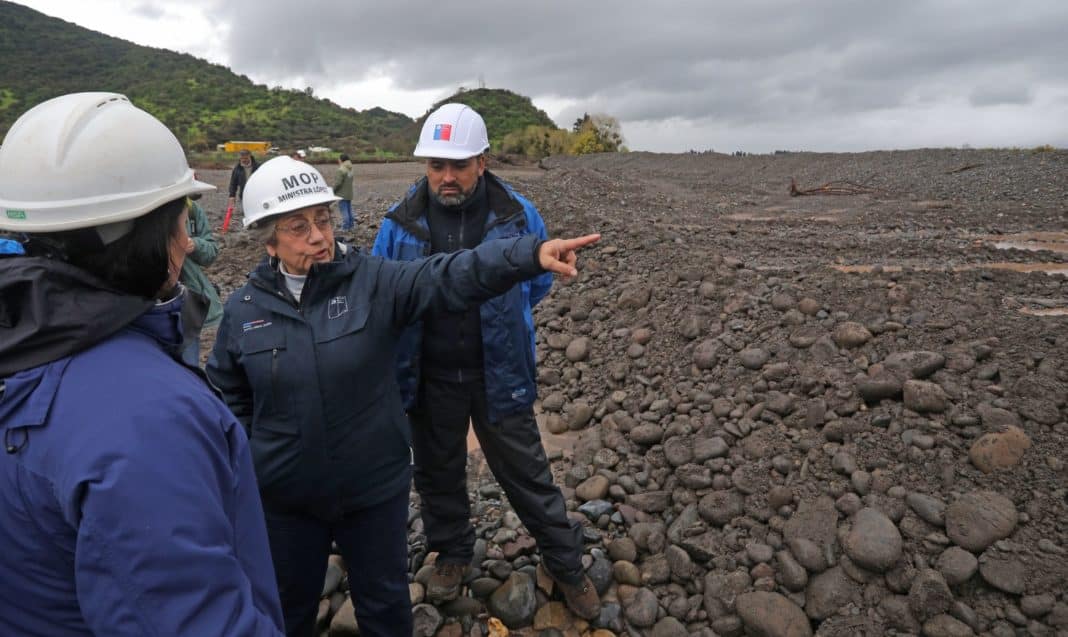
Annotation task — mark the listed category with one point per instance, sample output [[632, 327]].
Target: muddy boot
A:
[[581, 597], [444, 585]]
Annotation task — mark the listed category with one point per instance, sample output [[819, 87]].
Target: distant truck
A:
[[254, 147]]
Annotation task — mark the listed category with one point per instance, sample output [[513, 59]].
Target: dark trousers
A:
[[373, 542], [515, 455]]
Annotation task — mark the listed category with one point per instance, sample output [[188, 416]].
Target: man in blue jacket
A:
[[476, 366]]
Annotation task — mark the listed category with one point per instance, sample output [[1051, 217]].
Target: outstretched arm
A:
[[461, 279]]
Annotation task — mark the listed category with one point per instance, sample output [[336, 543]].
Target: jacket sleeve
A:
[[206, 248], [539, 285], [339, 179], [157, 547], [458, 280], [383, 246], [233, 180], [228, 376]]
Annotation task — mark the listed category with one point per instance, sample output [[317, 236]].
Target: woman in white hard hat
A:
[[304, 357], [127, 487]]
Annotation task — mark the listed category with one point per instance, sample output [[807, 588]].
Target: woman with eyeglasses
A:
[[304, 357]]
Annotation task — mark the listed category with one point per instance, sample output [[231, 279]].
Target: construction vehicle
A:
[[254, 147]]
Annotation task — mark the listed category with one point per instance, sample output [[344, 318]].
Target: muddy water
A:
[[1032, 241], [1048, 268]]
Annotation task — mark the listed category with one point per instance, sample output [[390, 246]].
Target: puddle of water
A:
[[1045, 311], [758, 216], [1048, 268], [1031, 241]]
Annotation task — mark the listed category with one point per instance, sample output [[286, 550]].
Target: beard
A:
[[454, 200]]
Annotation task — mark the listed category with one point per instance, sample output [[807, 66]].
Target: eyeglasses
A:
[[301, 228]]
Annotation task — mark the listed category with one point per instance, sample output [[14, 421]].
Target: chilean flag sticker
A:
[[442, 132]]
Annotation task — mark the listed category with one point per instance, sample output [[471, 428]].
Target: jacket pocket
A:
[[342, 319], [263, 356]]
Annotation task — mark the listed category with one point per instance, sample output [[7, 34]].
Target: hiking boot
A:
[[444, 584], [581, 598]]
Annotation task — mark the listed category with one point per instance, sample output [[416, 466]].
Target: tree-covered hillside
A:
[[203, 103]]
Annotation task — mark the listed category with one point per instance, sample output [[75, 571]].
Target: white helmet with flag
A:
[[454, 131]]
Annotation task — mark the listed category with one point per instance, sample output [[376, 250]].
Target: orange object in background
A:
[[226, 220]]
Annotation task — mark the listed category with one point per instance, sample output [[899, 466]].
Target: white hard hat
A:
[[454, 131], [282, 185], [88, 159]]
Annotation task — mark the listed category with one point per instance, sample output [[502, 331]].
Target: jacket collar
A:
[[411, 212]]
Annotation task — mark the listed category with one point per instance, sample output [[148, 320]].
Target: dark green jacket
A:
[[193, 276]]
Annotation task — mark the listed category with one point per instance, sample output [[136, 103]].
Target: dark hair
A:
[[344, 157], [138, 263]]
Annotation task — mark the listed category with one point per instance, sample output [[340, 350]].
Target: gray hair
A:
[[262, 231]]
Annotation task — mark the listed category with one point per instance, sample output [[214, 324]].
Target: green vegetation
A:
[[203, 103], [207, 104]]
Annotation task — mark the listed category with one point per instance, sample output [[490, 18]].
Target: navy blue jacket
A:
[[312, 381], [507, 322], [128, 502]]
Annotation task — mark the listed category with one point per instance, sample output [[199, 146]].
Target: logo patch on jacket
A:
[[337, 306], [255, 325]]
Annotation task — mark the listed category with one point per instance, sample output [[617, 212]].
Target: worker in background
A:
[[343, 188], [202, 307], [243, 169]]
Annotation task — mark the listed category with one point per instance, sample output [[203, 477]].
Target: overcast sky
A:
[[758, 75]]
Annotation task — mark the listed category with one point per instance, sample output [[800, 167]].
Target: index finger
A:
[[579, 242]]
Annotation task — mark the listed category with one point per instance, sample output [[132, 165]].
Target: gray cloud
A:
[[763, 64], [150, 11]]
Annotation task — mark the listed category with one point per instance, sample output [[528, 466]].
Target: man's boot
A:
[[444, 584], [581, 598]]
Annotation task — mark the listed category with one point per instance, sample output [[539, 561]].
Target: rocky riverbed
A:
[[829, 414]]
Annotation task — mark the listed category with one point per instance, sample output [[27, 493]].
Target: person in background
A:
[[202, 307], [476, 365], [243, 169], [127, 488], [343, 188], [302, 357]]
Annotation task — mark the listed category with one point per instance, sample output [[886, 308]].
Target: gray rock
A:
[[915, 364], [929, 595], [724, 588], [1035, 606], [580, 415], [646, 434], [946, 626], [957, 565], [978, 519], [873, 542], [1003, 571], [791, 573], [827, 592], [650, 501], [720, 507], [678, 450], [706, 354], [882, 386], [895, 608], [623, 548], [815, 520], [641, 611], [426, 620], [634, 297], [850, 335], [594, 509], [514, 602], [771, 615], [995, 418], [753, 358], [924, 397], [669, 627], [708, 448], [930, 509], [759, 552], [679, 563], [578, 350], [808, 554]]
